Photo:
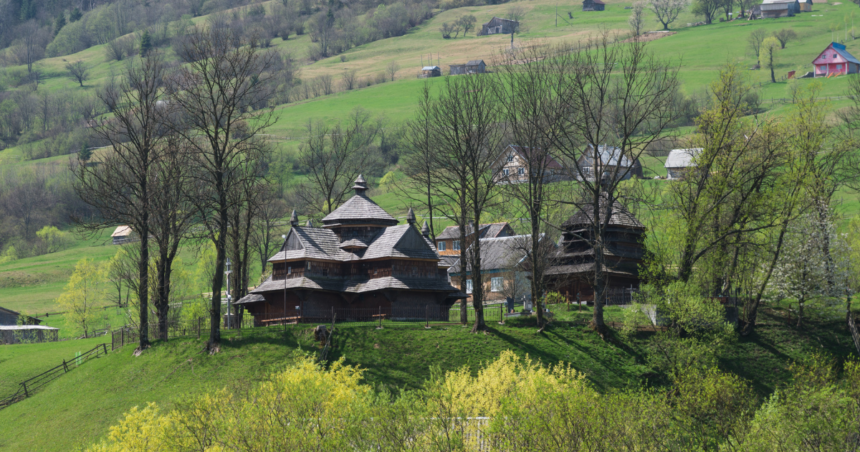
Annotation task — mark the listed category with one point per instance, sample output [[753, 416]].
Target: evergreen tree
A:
[[59, 22], [75, 15], [85, 154], [145, 43]]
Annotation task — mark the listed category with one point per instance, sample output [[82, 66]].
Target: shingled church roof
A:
[[620, 215], [359, 210]]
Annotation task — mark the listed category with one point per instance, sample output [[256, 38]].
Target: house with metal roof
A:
[[430, 71], [835, 60], [512, 166], [448, 242], [122, 235], [608, 161], [501, 273], [574, 266], [471, 67], [679, 161], [359, 264]]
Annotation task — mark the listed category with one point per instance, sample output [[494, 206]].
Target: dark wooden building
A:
[[573, 266], [359, 264], [472, 67], [498, 26], [593, 5]]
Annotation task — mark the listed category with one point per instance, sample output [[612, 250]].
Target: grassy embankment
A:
[[78, 408]]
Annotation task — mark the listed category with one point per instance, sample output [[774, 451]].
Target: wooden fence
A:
[[415, 315], [30, 386], [128, 335]]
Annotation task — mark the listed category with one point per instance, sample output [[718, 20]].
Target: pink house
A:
[[835, 60]]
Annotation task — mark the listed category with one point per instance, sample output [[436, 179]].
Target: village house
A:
[[430, 71], [610, 162], [501, 274], [498, 26], [512, 166], [593, 5], [679, 161], [358, 265], [448, 242], [835, 60], [572, 268]]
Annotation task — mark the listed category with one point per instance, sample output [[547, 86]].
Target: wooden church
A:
[[573, 265], [360, 265]]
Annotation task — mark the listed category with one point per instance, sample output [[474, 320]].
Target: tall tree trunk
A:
[[143, 286], [464, 276], [800, 304], [751, 305], [477, 277]]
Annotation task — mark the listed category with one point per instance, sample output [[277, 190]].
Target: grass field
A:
[[77, 408]]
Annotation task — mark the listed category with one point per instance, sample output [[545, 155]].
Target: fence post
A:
[[198, 327], [426, 316], [26, 394], [380, 318], [65, 367], [104, 348]]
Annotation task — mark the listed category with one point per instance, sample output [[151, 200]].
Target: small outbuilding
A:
[[10, 317], [679, 161], [431, 71], [497, 26], [835, 60], [122, 235], [805, 6], [593, 5]]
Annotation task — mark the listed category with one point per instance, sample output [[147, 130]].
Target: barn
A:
[[679, 161], [835, 60], [593, 5], [499, 26], [431, 71]]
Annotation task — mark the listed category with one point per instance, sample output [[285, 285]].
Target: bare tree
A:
[[467, 22], [334, 157], [214, 92], [613, 102], [466, 123], [707, 8], [264, 230], [31, 44], [637, 20], [392, 69], [78, 71], [447, 29], [172, 215], [755, 39], [667, 10], [525, 93], [784, 35], [516, 13], [417, 163], [349, 79], [120, 186]]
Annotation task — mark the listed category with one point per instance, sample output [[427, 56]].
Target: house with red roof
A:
[[835, 60]]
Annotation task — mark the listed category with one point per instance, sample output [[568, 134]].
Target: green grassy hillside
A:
[[78, 408]]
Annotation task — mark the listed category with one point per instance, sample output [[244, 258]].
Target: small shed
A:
[[121, 235], [679, 160], [498, 26], [431, 71], [593, 5], [835, 60], [805, 6], [476, 67]]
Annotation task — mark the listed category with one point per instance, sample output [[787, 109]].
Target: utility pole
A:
[[556, 15]]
